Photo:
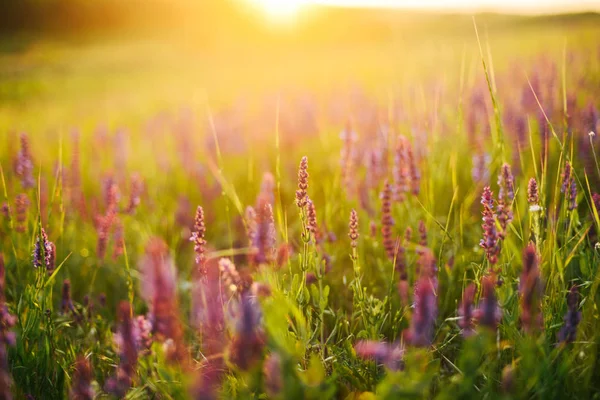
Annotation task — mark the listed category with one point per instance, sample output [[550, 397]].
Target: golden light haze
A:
[[288, 8]]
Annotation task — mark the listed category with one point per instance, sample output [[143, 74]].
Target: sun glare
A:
[[280, 10]]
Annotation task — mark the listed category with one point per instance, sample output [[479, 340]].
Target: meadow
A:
[[414, 214]]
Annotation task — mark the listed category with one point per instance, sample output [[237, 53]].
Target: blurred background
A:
[[78, 60]]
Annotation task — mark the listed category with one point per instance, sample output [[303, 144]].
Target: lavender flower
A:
[[284, 251], [490, 241], [573, 196], [5, 210], [387, 354], [43, 252], [488, 313], [353, 229], [569, 187], [568, 332], [120, 383], [230, 277], [247, 344], [104, 223], [422, 323], [301, 194], [312, 225], [506, 195], [506, 184], [267, 190], [137, 188], [531, 291], [199, 241], [24, 164], [566, 177], [119, 239], [422, 233], [401, 170], [159, 285], [465, 311], [533, 196], [21, 206], [415, 175], [480, 172], [272, 371], [347, 157], [264, 240], [387, 221], [7, 338], [81, 387]]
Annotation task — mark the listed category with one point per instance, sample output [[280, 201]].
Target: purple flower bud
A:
[[568, 332], [422, 323]]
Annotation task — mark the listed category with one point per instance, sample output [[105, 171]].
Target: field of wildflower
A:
[[365, 225]]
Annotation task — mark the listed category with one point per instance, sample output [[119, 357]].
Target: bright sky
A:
[[288, 8]]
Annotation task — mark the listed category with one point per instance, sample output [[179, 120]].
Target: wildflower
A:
[[506, 195], [21, 206], [387, 354], [573, 196], [531, 291], [532, 192], [373, 228], [267, 190], [120, 383], [66, 304], [230, 276], [465, 311], [387, 221], [263, 240], [259, 289], [401, 170], [568, 332], [24, 165], [301, 194], [408, 234], [347, 157], [569, 187], [5, 210], [273, 375], [506, 184], [353, 229], [137, 187], [480, 171], [199, 241], [490, 235], [7, 338], [81, 387], [159, 285], [104, 223], [44, 252], [422, 234], [423, 320], [415, 175], [247, 344], [312, 225], [488, 313], [119, 239], [284, 251]]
